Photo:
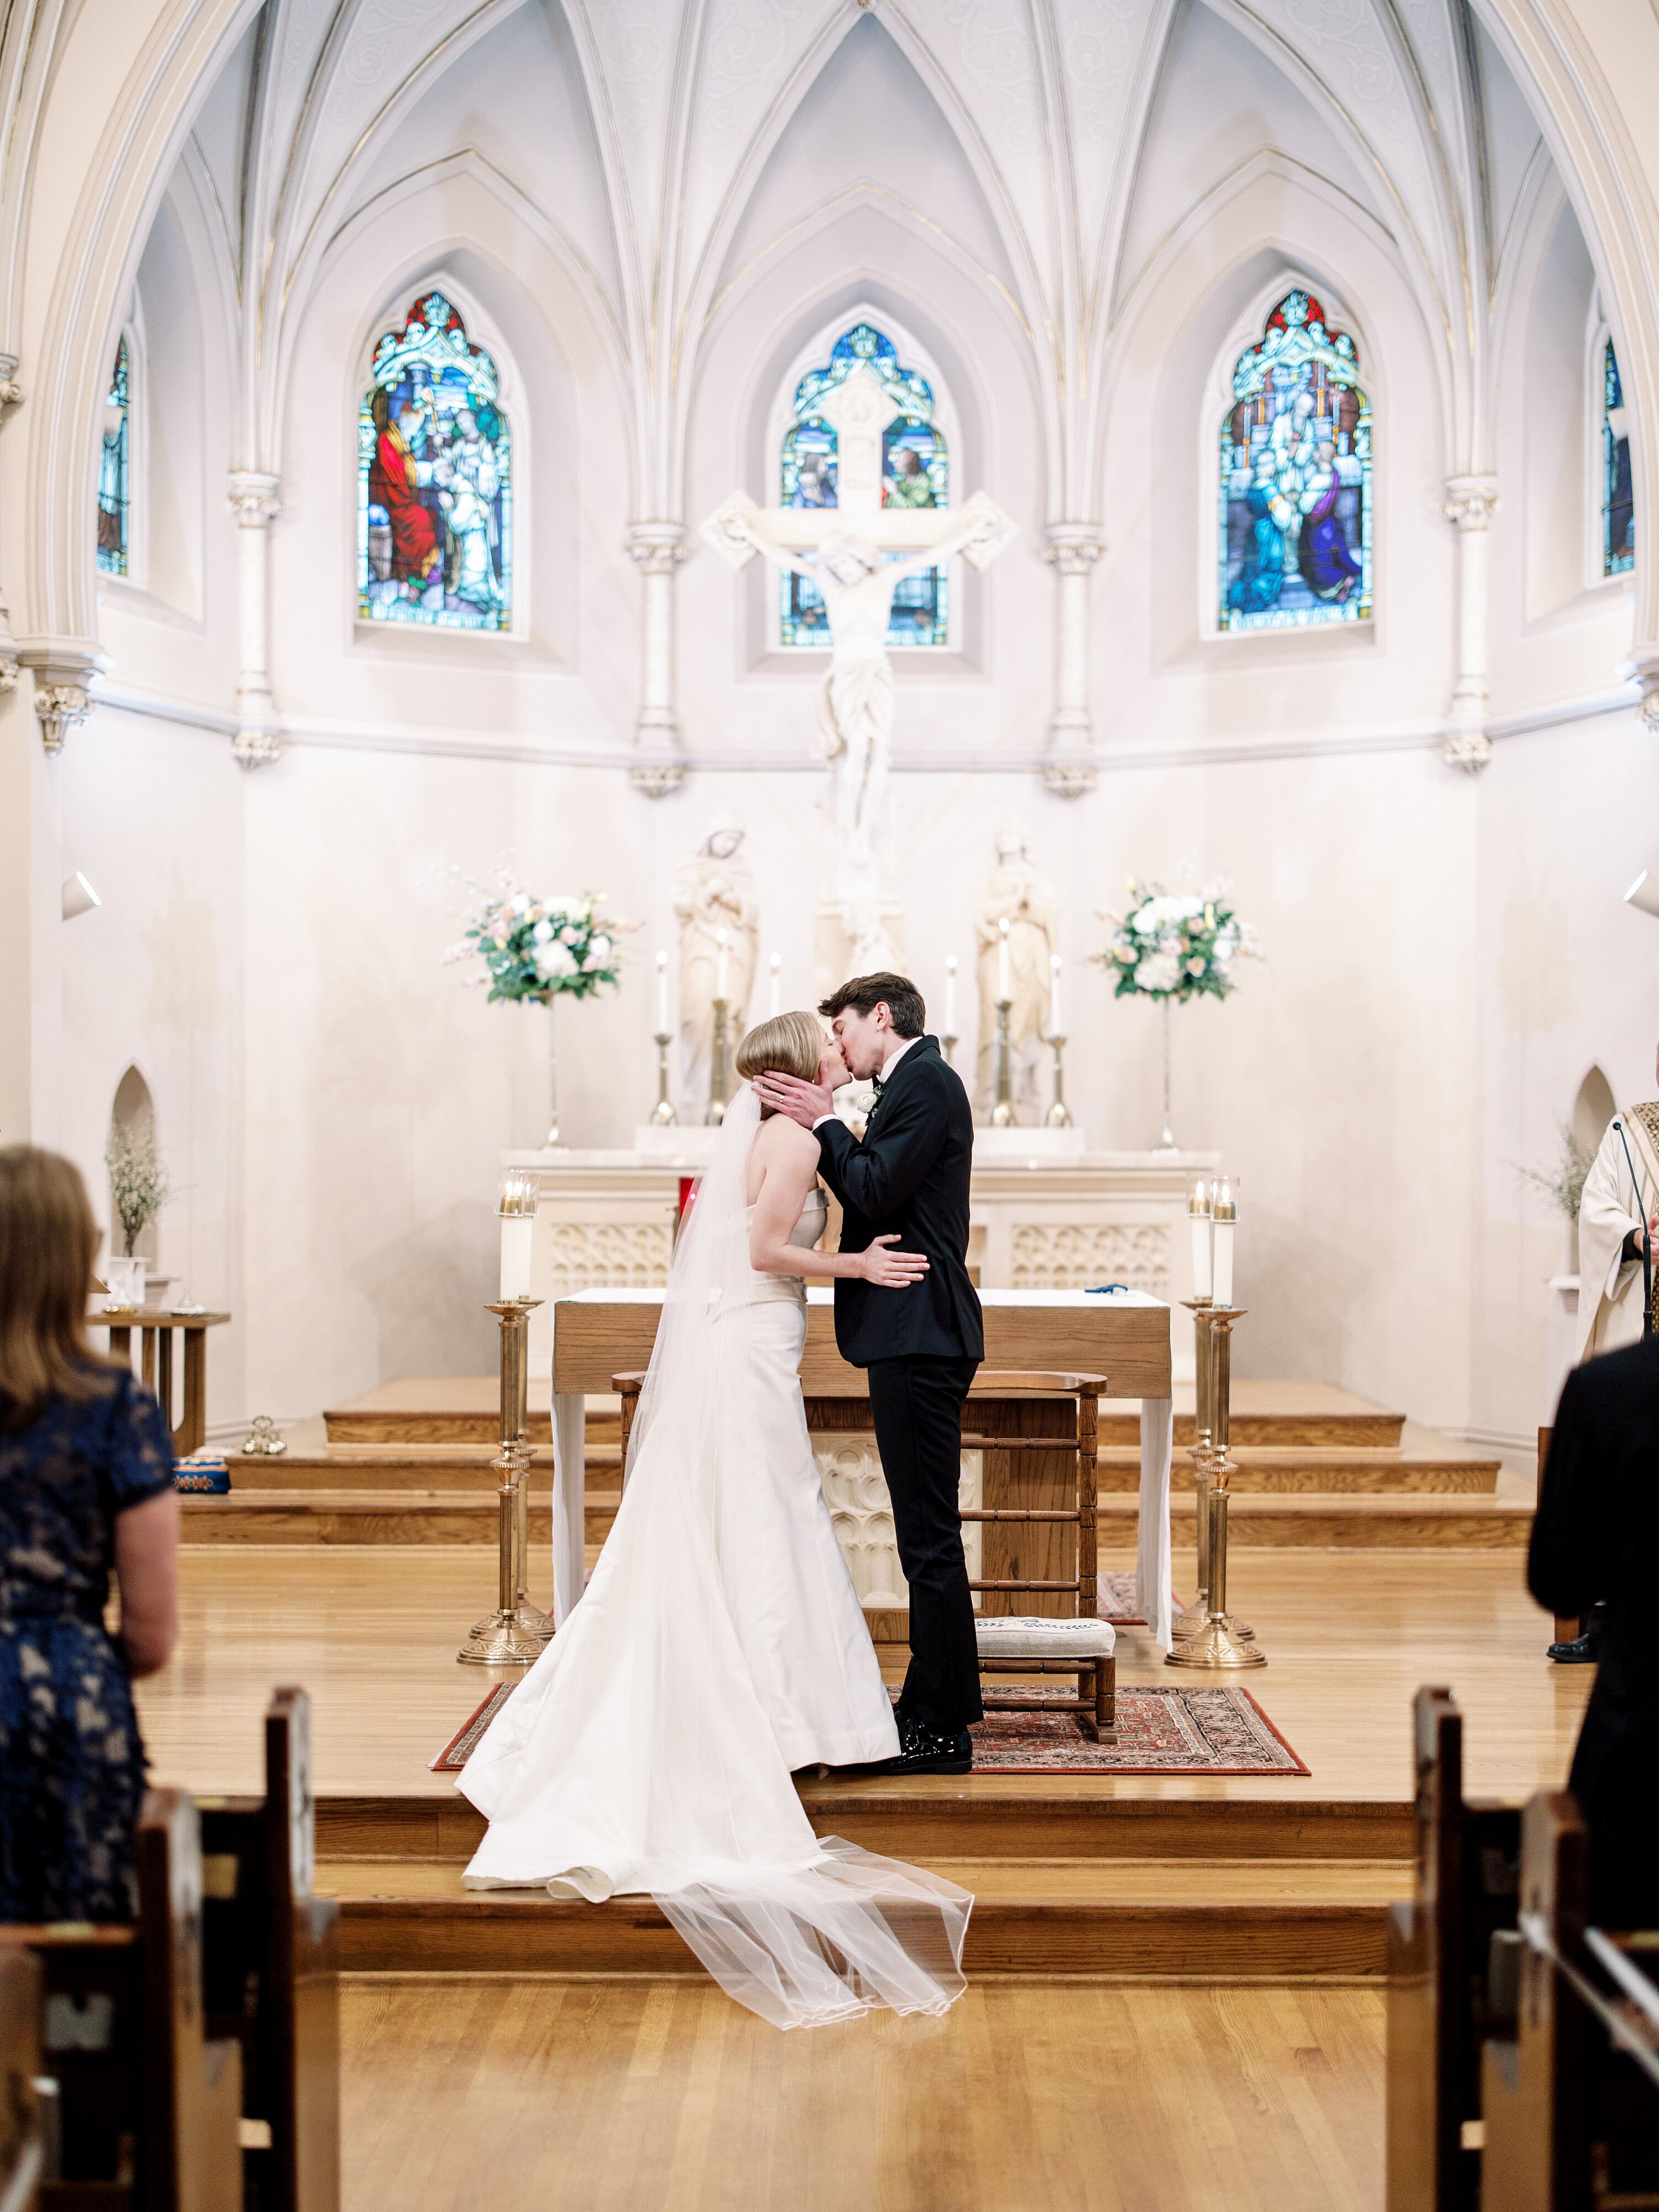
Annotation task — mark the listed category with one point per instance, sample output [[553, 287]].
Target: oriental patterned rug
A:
[[1118, 1602], [1182, 1730]]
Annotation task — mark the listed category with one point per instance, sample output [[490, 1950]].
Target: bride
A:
[[720, 1643]]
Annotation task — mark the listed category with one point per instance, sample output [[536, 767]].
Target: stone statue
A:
[[1016, 890], [714, 891]]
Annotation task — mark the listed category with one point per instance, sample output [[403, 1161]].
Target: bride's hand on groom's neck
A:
[[805, 1102]]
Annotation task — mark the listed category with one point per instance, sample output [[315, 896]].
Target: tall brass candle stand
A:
[[1222, 1641], [663, 1116], [718, 1084], [1188, 1623], [1058, 1116], [515, 1634], [1002, 1114]]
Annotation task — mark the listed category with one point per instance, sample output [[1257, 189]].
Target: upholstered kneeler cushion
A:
[[1030, 1637]]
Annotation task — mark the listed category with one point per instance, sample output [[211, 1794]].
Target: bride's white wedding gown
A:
[[720, 1644]]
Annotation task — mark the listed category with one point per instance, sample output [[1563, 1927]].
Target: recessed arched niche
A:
[[133, 1118], [1592, 1109]]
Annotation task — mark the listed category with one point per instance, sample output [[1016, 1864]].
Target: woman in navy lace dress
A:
[[86, 1487]]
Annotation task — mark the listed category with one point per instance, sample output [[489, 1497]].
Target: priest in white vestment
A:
[[1618, 1211]]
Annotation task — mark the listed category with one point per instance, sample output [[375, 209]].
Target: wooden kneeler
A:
[[1079, 1643]]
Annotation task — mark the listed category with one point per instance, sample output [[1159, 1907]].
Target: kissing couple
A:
[[720, 1644]]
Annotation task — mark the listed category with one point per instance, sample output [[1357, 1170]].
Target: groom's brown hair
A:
[[865, 992]]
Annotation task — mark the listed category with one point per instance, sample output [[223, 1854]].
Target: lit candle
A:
[[1003, 991], [1226, 1216], [776, 1006], [1198, 1219], [951, 994], [720, 965], [517, 1209], [1054, 1028], [662, 994]]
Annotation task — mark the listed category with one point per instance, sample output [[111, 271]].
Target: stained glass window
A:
[[1296, 478], [113, 471], [435, 479], [915, 472], [1618, 510]]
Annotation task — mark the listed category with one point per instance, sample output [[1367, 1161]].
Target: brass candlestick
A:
[[1222, 1641], [663, 1116], [1188, 1623], [1058, 1116], [515, 1633], [1002, 1114], [717, 1084]]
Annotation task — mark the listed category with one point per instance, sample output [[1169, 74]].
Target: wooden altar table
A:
[[1125, 1337], [155, 1325]]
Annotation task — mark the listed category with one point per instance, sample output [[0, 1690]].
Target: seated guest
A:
[[86, 1486], [1594, 1537]]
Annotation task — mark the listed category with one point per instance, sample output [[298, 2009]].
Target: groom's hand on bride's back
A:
[[805, 1102]]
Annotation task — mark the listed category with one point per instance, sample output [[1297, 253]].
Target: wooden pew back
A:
[[22, 2147]]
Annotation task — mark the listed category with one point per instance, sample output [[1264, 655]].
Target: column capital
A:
[[1072, 547], [254, 498], [62, 668], [1470, 501], [656, 548], [1642, 668], [1469, 749], [11, 391]]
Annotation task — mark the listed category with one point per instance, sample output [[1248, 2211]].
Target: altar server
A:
[[1618, 1213]]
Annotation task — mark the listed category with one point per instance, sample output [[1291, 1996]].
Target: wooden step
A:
[[1344, 1523], [1426, 1462], [984, 1817], [1121, 1916]]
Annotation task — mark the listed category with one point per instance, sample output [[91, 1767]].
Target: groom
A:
[[920, 1345]]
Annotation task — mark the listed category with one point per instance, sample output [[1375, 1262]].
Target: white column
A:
[[658, 549], [1073, 548], [254, 502], [1470, 503]]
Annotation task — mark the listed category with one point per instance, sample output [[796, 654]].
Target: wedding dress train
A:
[[720, 1643]]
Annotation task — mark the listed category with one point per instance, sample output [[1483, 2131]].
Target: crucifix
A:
[[841, 549]]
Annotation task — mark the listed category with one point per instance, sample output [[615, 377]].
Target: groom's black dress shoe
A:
[[925, 1750]]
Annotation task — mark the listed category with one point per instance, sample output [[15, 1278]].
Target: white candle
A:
[[720, 965], [662, 994], [951, 994], [1226, 1215], [1198, 1219], [517, 1209], [1054, 1028], [1003, 991], [776, 1006]]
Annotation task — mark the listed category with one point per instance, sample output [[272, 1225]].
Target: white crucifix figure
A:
[[841, 549]]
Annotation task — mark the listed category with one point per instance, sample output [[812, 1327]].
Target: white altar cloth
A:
[[1153, 1562]]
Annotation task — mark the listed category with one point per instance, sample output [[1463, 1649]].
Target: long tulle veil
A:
[[803, 1931]]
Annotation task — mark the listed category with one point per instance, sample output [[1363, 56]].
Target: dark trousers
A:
[[916, 1405]]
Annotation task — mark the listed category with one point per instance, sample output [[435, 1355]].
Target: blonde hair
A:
[[48, 1241], [789, 1044]]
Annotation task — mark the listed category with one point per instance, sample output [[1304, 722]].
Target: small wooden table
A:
[[155, 1326]]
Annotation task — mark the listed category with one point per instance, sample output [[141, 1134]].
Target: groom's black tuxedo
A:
[[920, 1345]]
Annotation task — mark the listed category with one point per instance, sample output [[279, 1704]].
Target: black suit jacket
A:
[[1594, 1538], [910, 1174]]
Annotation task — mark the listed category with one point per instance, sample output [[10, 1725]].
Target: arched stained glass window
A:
[[113, 470], [915, 472], [435, 479], [1618, 507], [1296, 478]]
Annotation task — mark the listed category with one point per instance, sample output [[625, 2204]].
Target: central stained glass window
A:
[[915, 472], [1295, 523], [1617, 506]]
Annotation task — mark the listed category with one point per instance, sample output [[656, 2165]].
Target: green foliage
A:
[[138, 1183], [539, 949], [1176, 946], [1564, 1183]]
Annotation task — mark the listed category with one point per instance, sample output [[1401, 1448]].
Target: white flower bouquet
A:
[[1177, 945], [539, 949]]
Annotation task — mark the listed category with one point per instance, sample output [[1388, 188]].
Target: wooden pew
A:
[[148, 2108], [1464, 1889], [22, 2146], [271, 1972], [1571, 2120]]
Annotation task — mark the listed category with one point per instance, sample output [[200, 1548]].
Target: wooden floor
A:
[[371, 1631], [1035, 2097]]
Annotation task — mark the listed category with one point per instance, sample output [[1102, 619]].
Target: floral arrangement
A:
[[139, 1186], [1177, 945], [539, 949], [1563, 1184]]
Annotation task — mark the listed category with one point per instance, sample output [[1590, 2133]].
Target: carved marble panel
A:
[[1080, 1255], [608, 1255], [856, 1491]]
